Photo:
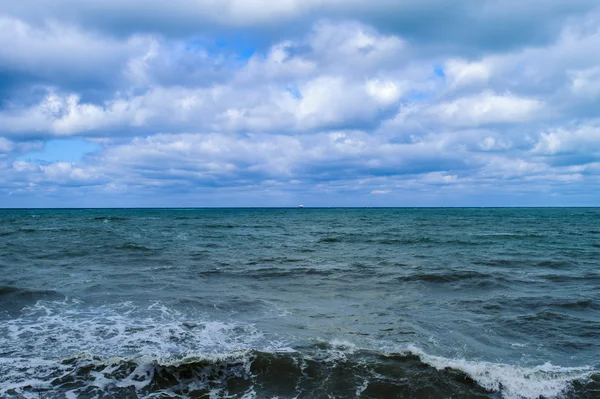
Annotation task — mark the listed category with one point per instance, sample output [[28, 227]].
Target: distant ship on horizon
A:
[[300, 206]]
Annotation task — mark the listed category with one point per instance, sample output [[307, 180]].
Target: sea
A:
[[300, 303]]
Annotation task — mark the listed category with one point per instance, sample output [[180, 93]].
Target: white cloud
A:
[[454, 21], [439, 178], [66, 115], [65, 171], [487, 108], [549, 143], [137, 69], [278, 65], [490, 143], [354, 47], [280, 92], [380, 192], [59, 52], [582, 140], [6, 146], [58, 173], [12, 148], [384, 92], [462, 73], [347, 98], [586, 82]]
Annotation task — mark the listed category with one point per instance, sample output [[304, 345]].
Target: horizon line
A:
[[305, 207]]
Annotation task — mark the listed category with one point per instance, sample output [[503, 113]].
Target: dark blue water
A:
[[300, 303]]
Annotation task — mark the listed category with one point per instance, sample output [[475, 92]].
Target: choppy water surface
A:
[[300, 303]]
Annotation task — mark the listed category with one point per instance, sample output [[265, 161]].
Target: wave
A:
[[14, 299], [154, 351], [497, 262], [555, 264], [219, 226], [282, 259], [545, 381], [276, 272], [474, 278], [133, 247], [404, 241], [384, 241], [579, 304], [10, 291], [334, 369], [561, 278], [110, 218], [328, 240]]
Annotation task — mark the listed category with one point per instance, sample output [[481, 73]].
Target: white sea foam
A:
[[123, 330], [343, 345], [35, 345], [513, 382], [34, 348], [335, 350]]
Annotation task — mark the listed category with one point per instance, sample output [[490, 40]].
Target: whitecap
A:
[[512, 381]]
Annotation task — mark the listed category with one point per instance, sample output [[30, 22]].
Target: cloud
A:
[[54, 53], [279, 91], [499, 25], [486, 108], [462, 73], [380, 192], [11, 148], [208, 102], [65, 115], [586, 82], [583, 141]]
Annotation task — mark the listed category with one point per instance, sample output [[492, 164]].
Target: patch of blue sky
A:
[[294, 91], [438, 73], [62, 150], [418, 96], [242, 48], [438, 70]]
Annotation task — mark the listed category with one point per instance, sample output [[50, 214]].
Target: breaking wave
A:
[[64, 349]]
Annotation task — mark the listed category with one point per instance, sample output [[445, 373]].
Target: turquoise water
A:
[[368, 303]]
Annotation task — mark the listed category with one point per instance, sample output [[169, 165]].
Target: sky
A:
[[260, 103]]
